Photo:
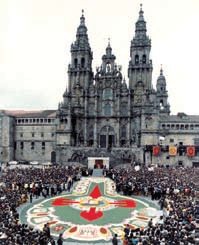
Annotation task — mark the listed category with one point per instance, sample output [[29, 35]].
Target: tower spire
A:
[[140, 55], [80, 69], [162, 95], [82, 18], [161, 71], [141, 13], [82, 40], [109, 42], [140, 26], [109, 49]]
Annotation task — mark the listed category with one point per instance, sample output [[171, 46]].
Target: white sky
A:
[[35, 39]]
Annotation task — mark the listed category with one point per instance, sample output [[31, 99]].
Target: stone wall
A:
[[35, 142], [6, 138]]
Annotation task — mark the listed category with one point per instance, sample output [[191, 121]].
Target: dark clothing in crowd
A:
[[174, 189]]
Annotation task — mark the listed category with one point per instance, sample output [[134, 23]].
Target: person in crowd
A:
[[31, 197], [115, 240], [173, 188], [60, 239]]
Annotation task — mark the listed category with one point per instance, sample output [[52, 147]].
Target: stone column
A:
[[85, 131], [85, 120], [129, 121], [129, 104], [107, 134], [118, 133], [95, 110], [118, 105], [95, 133], [95, 123], [129, 130], [69, 78]]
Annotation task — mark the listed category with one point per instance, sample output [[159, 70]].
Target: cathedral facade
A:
[[102, 115]]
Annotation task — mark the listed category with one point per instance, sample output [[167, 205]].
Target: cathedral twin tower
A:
[[100, 110], [101, 116]]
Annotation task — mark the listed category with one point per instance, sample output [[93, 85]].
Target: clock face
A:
[[92, 212]]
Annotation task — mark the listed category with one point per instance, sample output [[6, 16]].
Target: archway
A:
[[53, 157], [107, 137]]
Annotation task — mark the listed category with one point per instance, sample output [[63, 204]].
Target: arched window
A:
[[108, 67], [144, 59], [163, 126], [161, 104], [137, 59], [82, 62], [91, 133], [91, 109], [63, 120], [123, 132], [124, 109], [107, 109], [75, 62], [107, 93]]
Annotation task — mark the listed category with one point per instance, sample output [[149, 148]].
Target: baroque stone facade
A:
[[100, 114]]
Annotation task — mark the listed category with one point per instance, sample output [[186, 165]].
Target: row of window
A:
[[34, 134], [34, 120], [107, 109], [32, 145], [82, 63], [22, 153], [180, 126], [140, 59]]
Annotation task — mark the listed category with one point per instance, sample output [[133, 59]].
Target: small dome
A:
[[161, 79], [82, 29]]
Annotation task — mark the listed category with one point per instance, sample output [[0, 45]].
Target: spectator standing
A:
[[114, 240], [31, 197], [60, 239]]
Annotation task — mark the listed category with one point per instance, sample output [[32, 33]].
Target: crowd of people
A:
[[19, 185], [174, 189]]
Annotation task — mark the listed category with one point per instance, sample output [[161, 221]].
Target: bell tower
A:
[[70, 124], [80, 70], [140, 66], [162, 94]]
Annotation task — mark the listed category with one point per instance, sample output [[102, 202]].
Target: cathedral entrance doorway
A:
[[107, 137], [107, 141], [98, 163], [103, 141], [53, 157], [111, 140]]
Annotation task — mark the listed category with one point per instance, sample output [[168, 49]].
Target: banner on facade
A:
[[156, 150], [190, 151], [172, 150]]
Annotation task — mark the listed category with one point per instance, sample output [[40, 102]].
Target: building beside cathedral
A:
[[101, 116]]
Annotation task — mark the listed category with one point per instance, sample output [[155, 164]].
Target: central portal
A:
[[98, 162], [107, 141], [107, 137]]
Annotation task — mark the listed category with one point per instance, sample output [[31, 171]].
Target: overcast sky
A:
[[35, 39]]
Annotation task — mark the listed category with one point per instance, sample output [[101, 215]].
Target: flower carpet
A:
[[94, 211]]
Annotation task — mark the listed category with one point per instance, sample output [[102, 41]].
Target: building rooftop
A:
[[28, 114], [180, 118]]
